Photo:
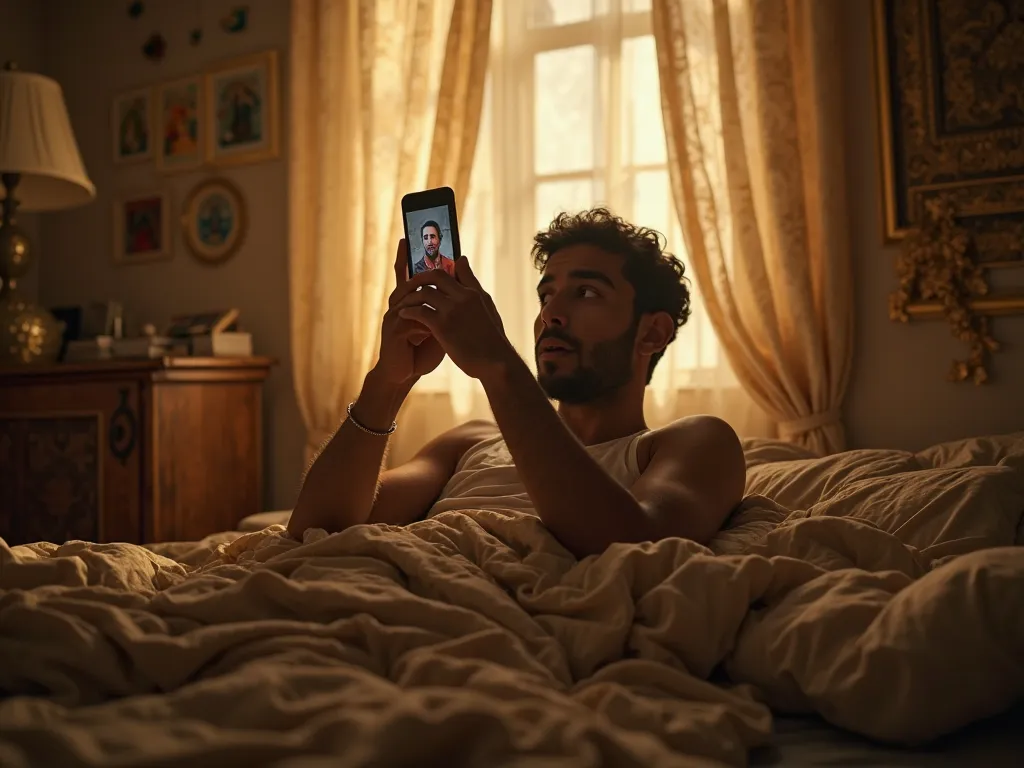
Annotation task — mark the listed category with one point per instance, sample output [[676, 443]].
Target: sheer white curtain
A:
[[385, 98], [572, 119], [753, 106], [364, 79]]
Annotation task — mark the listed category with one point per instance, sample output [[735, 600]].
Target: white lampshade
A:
[[36, 141]]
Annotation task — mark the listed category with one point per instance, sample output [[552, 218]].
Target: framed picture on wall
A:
[[214, 221], [142, 228], [132, 126], [242, 111], [180, 126], [952, 124]]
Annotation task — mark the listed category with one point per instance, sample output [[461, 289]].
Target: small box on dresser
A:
[[169, 449]]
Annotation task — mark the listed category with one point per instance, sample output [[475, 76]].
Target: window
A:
[[572, 120]]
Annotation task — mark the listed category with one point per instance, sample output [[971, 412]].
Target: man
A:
[[431, 235], [611, 300]]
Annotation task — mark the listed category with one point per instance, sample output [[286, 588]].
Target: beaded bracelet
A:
[[367, 430]]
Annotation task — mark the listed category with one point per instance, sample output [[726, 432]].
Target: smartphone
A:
[[431, 230]]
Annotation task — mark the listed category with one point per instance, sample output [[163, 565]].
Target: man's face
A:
[[431, 241], [586, 330]]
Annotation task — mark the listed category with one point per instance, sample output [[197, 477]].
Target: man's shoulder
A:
[[477, 427], [449, 446], [699, 434], [419, 266], [469, 433], [701, 424]]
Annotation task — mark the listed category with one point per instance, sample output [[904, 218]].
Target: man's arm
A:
[[695, 476], [339, 487], [345, 486], [408, 491]]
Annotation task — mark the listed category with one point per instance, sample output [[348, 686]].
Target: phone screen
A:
[[432, 244]]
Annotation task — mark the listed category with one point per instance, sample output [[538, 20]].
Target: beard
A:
[[431, 251], [610, 368]]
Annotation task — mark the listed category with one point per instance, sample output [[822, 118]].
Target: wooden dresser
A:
[[130, 450]]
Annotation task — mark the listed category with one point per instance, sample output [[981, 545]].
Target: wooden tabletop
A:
[[170, 368]]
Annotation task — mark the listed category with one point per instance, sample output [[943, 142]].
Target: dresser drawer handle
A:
[[123, 429]]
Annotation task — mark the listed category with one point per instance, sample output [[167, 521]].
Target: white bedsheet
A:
[[890, 606]]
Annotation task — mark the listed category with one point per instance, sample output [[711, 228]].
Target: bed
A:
[[858, 609]]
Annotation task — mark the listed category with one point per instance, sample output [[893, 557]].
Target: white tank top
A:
[[486, 478]]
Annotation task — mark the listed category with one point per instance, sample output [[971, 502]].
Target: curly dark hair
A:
[[657, 277]]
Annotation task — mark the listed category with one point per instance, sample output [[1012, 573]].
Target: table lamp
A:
[[40, 170]]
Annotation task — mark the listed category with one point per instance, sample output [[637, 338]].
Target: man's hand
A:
[[407, 349], [460, 315], [340, 487]]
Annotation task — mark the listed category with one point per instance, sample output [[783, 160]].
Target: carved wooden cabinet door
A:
[[70, 461], [144, 450]]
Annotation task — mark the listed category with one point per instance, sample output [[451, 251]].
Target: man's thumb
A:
[[465, 274]]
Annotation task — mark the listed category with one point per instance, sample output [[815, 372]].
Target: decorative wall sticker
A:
[[155, 47], [237, 20], [195, 36]]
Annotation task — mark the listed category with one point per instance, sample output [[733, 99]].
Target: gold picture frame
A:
[[131, 126], [243, 110], [214, 221], [142, 228], [180, 124], [942, 133]]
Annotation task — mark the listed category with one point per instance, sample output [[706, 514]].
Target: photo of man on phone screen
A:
[[431, 236]]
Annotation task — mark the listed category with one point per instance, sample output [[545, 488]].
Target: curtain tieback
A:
[[804, 424]]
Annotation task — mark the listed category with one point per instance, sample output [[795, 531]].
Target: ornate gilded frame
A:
[[929, 146], [214, 255]]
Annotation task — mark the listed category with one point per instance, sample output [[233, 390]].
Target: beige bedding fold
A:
[[476, 639]]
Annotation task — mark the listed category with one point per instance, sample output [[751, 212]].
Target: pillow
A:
[[801, 483], [1007, 450], [759, 451], [942, 512]]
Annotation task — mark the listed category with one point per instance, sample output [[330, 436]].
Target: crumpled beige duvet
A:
[[881, 589]]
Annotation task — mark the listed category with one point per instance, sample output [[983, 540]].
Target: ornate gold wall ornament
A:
[[938, 265], [950, 77]]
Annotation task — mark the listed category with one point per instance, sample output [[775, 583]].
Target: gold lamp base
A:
[[29, 335]]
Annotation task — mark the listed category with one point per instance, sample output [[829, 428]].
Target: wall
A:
[[94, 50], [22, 40], [898, 395]]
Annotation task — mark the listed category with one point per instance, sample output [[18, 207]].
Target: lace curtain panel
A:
[[366, 81], [752, 105]]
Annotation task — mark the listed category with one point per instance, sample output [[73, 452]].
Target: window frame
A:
[[512, 89], [606, 33]]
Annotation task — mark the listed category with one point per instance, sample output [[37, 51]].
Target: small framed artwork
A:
[[142, 231], [214, 221], [132, 126], [242, 112], [179, 106]]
